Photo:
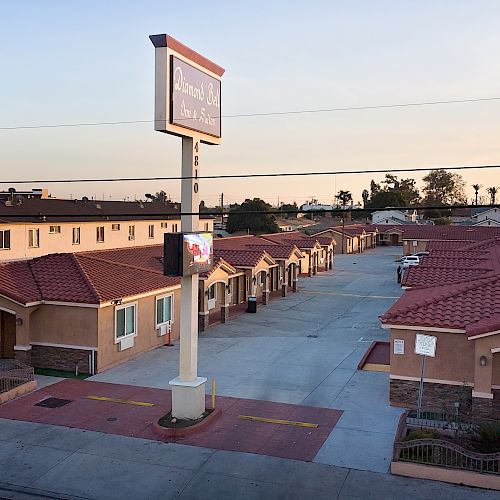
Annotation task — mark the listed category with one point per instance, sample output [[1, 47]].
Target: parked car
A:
[[410, 260], [421, 254]]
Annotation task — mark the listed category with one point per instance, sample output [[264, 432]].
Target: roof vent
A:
[[8, 203], [85, 199]]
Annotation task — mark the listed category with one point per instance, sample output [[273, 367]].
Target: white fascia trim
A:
[[133, 298], [10, 311], [65, 346], [431, 380], [69, 304], [496, 387], [487, 334], [22, 348], [483, 395], [495, 349], [422, 328]]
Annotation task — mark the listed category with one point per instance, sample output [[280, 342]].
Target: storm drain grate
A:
[[53, 402], [312, 336]]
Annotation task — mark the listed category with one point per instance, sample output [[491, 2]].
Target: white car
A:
[[410, 260]]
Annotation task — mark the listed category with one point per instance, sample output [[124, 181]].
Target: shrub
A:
[[486, 438], [422, 434]]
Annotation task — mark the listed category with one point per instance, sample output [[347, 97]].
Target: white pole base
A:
[[188, 398]]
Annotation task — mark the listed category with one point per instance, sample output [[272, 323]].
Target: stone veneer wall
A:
[[60, 358], [437, 396]]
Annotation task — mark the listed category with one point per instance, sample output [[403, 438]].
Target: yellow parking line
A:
[[312, 292], [116, 400], [376, 367], [278, 421]]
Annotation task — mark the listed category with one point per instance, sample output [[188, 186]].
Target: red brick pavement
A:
[[228, 432]]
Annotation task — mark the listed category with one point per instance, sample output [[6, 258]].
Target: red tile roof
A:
[[458, 233], [77, 278], [241, 258], [473, 307]]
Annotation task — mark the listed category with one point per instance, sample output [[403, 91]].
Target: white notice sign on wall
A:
[[399, 346], [425, 345]]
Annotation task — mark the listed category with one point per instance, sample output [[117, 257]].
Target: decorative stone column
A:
[[224, 308], [203, 320]]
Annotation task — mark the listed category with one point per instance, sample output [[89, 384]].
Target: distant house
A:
[[394, 217], [490, 217]]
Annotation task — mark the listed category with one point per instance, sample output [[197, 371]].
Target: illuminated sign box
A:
[[187, 91], [185, 254]]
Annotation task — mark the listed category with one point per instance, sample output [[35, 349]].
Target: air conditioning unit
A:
[[164, 329]]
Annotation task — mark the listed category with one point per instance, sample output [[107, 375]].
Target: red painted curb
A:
[[168, 432]]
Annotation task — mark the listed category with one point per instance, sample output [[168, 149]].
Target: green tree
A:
[[289, 210], [443, 188], [344, 197], [366, 197], [383, 199], [492, 191], [476, 188], [161, 196], [254, 223]]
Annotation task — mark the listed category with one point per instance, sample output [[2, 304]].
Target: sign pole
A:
[[188, 390], [421, 387]]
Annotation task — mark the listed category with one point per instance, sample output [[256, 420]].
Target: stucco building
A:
[[32, 227], [454, 295]]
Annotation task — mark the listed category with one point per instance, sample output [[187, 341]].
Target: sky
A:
[[71, 61]]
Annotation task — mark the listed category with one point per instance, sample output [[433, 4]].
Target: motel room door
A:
[[7, 334]]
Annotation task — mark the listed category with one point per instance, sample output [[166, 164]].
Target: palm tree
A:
[[365, 195], [476, 188], [344, 196], [492, 191]]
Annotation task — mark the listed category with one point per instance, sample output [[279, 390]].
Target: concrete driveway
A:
[[304, 349]]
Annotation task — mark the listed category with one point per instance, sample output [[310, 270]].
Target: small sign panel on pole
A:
[[425, 345], [399, 346]]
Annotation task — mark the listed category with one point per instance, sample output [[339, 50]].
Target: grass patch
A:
[[60, 373]]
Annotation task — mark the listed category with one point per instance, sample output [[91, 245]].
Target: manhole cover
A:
[[53, 402], [312, 336]]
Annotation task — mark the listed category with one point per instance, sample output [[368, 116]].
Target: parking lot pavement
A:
[[48, 461], [270, 356]]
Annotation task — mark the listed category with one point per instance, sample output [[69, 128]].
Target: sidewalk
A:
[[59, 462]]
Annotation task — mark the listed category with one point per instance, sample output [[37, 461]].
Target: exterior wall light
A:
[[116, 302], [19, 321], [482, 360]]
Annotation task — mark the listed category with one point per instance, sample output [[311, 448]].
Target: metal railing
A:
[[445, 454], [14, 373], [432, 419]]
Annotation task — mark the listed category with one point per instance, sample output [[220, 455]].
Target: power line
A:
[[249, 176], [105, 216], [270, 113]]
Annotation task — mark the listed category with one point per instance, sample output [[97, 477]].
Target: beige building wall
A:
[[146, 337], [454, 361], [64, 325], [413, 246], [63, 242]]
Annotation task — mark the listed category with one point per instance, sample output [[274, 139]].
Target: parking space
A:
[[303, 349]]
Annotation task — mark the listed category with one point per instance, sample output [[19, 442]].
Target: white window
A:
[[115, 227], [76, 236], [212, 296], [131, 233], [151, 231], [414, 243], [164, 309], [125, 321], [230, 287], [54, 229], [262, 278], [34, 238], [174, 228], [4, 239], [206, 226], [100, 234], [164, 225]]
